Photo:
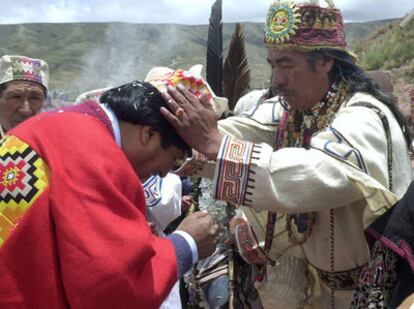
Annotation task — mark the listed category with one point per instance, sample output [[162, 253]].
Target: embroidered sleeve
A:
[[259, 126], [23, 177], [234, 177]]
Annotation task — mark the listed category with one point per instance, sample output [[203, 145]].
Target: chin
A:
[[298, 106], [143, 177], [293, 105]]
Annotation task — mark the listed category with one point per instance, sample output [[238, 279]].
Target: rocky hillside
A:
[[390, 48]]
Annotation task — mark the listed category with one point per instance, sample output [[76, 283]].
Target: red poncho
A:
[[77, 234]]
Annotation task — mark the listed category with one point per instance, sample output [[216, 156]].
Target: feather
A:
[[214, 64], [236, 72]]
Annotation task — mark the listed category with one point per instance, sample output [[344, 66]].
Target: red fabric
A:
[[85, 242]]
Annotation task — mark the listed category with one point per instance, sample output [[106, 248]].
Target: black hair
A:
[[355, 77], [2, 88], [140, 103]]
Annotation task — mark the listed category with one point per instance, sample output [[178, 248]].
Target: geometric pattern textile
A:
[[23, 177], [194, 84], [233, 163], [152, 190], [304, 27], [24, 68]]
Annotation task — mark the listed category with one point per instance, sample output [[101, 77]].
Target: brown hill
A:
[[85, 56]]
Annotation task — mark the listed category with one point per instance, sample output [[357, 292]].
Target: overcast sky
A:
[[177, 11]]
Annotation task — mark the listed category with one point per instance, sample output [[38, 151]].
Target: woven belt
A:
[[343, 280]]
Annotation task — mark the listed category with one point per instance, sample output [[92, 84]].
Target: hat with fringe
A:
[[161, 77]]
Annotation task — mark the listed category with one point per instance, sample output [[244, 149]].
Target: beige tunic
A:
[[345, 169]]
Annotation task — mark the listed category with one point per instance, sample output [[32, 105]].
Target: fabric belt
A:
[[343, 280]]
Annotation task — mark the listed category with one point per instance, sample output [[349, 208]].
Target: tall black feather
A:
[[236, 74], [214, 64]]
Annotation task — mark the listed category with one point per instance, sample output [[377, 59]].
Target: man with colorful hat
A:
[[23, 89], [330, 150]]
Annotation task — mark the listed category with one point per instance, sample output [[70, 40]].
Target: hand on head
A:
[[204, 232], [194, 119]]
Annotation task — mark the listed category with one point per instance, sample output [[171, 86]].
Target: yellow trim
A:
[[18, 201]]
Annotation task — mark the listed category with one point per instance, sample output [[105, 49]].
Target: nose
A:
[[26, 109], [278, 79]]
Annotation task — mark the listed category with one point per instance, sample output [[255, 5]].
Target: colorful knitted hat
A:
[[304, 27], [24, 68], [191, 80], [157, 73], [93, 95]]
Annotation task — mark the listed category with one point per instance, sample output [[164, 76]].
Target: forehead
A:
[[23, 85], [275, 55]]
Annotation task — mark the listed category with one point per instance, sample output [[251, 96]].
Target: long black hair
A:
[[140, 103], [355, 77]]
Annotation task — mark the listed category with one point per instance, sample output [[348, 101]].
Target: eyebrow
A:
[[20, 91], [26, 89], [285, 59]]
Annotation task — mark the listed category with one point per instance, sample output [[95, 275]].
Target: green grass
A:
[[390, 47]]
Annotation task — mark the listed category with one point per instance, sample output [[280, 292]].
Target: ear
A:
[[327, 64], [146, 133]]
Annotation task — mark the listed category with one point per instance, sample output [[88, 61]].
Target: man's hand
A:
[[153, 228], [186, 202], [200, 226], [194, 119]]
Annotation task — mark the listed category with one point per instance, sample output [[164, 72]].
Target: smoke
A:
[[127, 53]]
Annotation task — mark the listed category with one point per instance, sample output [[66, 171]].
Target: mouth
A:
[[17, 122], [283, 92], [21, 120]]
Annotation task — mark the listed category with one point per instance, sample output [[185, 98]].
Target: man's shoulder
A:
[[59, 132], [370, 103], [362, 97], [267, 112], [59, 122]]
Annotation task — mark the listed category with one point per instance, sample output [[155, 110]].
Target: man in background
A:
[[23, 89]]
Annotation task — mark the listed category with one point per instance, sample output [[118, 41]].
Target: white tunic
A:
[[346, 168]]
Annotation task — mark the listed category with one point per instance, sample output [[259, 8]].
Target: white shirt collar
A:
[[114, 122]]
